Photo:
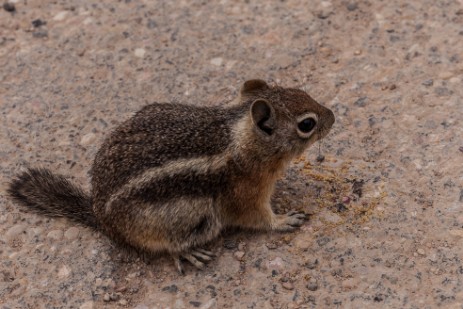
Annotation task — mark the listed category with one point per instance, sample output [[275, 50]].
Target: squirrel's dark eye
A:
[[307, 125]]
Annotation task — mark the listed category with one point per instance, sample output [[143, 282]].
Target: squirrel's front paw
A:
[[290, 221]]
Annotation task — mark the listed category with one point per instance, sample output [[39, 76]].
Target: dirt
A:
[[386, 199]]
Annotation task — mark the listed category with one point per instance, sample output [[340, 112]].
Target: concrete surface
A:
[[387, 224]]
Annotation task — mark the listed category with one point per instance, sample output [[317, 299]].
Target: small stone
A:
[[443, 91], [276, 263], [15, 231], [151, 24], [40, 33], [311, 264], [346, 200], [272, 246], [456, 233], [170, 288], [352, 6], [320, 158], [87, 305], [288, 285], [349, 284], [71, 233], [230, 244], [60, 16], [239, 255], [340, 207], [98, 281], [114, 296], [55, 235], [38, 22], [312, 285], [428, 83], [88, 139], [9, 7], [106, 297], [421, 252], [446, 75], [361, 102], [358, 52], [64, 271], [321, 241], [217, 61], [333, 217], [123, 302], [140, 52], [195, 304], [212, 303]]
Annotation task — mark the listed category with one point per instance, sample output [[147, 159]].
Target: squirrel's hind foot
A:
[[198, 257], [290, 221]]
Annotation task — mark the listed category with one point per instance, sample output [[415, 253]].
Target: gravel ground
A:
[[387, 223]]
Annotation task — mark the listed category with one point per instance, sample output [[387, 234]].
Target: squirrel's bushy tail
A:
[[52, 195]]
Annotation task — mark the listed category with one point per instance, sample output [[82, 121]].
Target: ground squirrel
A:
[[172, 177]]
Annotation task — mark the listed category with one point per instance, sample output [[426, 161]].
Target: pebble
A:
[[98, 281], [456, 233], [38, 22], [349, 283], [332, 217], [15, 230], [106, 297], [352, 6], [140, 52], [421, 252], [230, 244], [55, 235], [288, 285], [428, 83], [123, 302], [446, 75], [346, 200], [312, 285], [217, 61], [361, 102], [88, 139], [212, 303], [239, 255], [9, 7], [276, 263], [87, 305], [311, 264], [64, 271], [71, 233], [60, 16]]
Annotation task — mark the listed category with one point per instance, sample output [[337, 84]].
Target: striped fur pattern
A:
[[172, 177]]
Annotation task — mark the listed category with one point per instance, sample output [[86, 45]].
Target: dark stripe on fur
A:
[[52, 195], [186, 184]]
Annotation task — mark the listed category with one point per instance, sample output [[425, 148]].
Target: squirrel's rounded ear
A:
[[263, 116], [253, 85]]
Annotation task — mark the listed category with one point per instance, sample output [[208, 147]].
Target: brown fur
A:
[[173, 176]]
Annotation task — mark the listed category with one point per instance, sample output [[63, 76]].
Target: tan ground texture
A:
[[387, 223]]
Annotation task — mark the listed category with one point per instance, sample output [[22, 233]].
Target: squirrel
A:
[[172, 177]]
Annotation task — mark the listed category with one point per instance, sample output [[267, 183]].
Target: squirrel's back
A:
[[160, 133]]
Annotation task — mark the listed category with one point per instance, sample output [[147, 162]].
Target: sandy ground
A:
[[387, 223]]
